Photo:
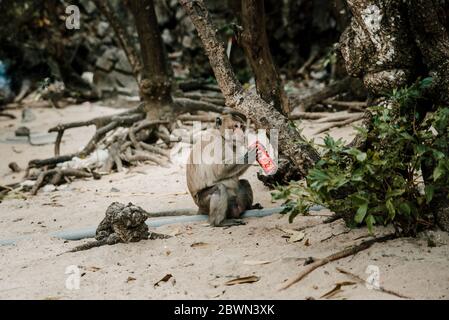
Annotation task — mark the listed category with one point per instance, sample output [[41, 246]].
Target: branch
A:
[[381, 289], [261, 113], [340, 124], [336, 256], [122, 36]]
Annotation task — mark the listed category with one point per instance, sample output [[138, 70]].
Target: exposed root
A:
[[56, 175], [357, 106], [307, 115], [189, 105], [7, 115], [126, 137], [323, 94], [154, 149], [336, 256], [202, 118], [338, 118], [341, 123]]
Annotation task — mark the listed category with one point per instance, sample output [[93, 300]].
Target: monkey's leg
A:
[[244, 196], [218, 206]]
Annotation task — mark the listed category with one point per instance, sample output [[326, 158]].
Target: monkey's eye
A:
[[236, 126]]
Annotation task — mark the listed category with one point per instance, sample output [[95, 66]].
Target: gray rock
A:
[[122, 64], [88, 5], [102, 29], [27, 116]]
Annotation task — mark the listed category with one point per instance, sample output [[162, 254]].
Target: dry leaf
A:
[[130, 279], [242, 280], [293, 235], [92, 269], [337, 289], [199, 244], [296, 237], [307, 242], [167, 277], [256, 262]]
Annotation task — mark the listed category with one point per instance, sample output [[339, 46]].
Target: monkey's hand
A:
[[248, 158], [242, 164], [232, 223]]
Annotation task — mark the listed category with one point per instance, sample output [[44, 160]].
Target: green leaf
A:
[[429, 190], [391, 209], [405, 209], [438, 172], [361, 213], [370, 221], [395, 193]]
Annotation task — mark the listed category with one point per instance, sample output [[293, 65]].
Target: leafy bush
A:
[[385, 183]]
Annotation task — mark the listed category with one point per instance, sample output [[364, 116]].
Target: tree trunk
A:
[[264, 115], [123, 37], [391, 43], [254, 42], [156, 83]]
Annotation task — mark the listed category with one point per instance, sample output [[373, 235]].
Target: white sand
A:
[[33, 268]]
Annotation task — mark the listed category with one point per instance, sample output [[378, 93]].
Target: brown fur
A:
[[216, 188]]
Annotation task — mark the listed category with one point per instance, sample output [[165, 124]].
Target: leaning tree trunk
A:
[[391, 43], [264, 115], [254, 42]]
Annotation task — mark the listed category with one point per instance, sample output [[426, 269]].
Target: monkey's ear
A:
[[218, 122]]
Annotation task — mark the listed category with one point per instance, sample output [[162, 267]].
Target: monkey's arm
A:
[[242, 164]]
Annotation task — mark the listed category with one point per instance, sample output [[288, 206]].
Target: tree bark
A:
[[429, 22], [391, 43], [377, 45], [264, 115], [254, 41], [156, 83]]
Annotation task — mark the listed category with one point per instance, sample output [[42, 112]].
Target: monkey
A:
[[215, 187]]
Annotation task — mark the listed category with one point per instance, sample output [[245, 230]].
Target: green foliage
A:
[[384, 184]]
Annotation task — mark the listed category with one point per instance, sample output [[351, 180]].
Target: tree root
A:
[[357, 106], [323, 94], [337, 118], [7, 115], [202, 118], [341, 123], [336, 256], [127, 146], [307, 115], [56, 176]]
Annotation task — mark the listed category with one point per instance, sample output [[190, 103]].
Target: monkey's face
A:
[[231, 129]]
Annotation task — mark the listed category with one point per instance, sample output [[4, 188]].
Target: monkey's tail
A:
[[173, 213]]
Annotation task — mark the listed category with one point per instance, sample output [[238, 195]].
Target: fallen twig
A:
[[336, 256], [57, 175], [381, 289]]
